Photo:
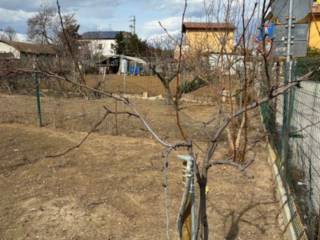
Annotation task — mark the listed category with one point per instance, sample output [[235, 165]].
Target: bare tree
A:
[[42, 25], [8, 34], [49, 26]]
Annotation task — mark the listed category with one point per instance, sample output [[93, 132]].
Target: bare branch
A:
[[130, 114], [94, 128]]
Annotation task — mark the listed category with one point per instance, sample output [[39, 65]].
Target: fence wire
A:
[[305, 154], [301, 169]]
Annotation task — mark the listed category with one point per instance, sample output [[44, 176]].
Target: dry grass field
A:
[[140, 84], [111, 187], [76, 114]]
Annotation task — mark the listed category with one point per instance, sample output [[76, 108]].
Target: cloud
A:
[[14, 15], [89, 13], [15, 18], [100, 14], [152, 29], [213, 9], [15, 5], [170, 24], [33, 5], [195, 8]]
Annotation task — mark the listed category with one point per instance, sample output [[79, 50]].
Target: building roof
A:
[[316, 9], [4, 55], [315, 12], [32, 48], [100, 35], [207, 26], [128, 58], [135, 59]]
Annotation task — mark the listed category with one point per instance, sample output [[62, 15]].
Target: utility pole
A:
[[289, 43], [133, 25]]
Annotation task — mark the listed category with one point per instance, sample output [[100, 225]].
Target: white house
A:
[[101, 42]]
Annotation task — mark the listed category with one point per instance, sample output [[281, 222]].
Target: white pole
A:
[[289, 42]]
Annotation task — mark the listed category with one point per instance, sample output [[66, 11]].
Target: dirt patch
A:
[[111, 188]]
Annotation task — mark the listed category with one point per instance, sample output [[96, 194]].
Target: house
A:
[[314, 27], [208, 43], [101, 42], [22, 50], [208, 37]]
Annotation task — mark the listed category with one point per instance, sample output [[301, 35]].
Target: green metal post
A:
[[286, 99], [285, 130], [38, 100]]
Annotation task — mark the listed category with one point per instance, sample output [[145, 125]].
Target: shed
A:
[[123, 64]]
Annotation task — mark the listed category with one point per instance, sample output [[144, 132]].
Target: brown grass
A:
[[111, 187], [140, 84]]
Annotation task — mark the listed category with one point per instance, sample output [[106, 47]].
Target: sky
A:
[[103, 15], [106, 14]]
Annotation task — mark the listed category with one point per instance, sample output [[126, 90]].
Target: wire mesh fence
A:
[[305, 154], [300, 169]]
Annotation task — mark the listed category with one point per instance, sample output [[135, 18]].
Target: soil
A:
[[112, 186]]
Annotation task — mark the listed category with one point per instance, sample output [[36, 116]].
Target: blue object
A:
[[137, 71], [267, 31], [131, 70]]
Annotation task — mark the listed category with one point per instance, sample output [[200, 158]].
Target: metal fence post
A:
[[286, 99], [38, 100]]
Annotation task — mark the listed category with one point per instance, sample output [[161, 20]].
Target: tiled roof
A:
[[316, 8], [207, 26]]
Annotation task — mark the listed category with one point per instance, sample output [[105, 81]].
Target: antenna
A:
[[132, 26]]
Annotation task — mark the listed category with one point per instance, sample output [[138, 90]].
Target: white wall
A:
[[106, 46], [229, 63], [305, 151], [5, 48]]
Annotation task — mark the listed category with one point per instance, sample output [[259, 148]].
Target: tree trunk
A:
[[204, 228]]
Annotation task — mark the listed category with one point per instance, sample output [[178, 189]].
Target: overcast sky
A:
[[111, 14], [106, 14]]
